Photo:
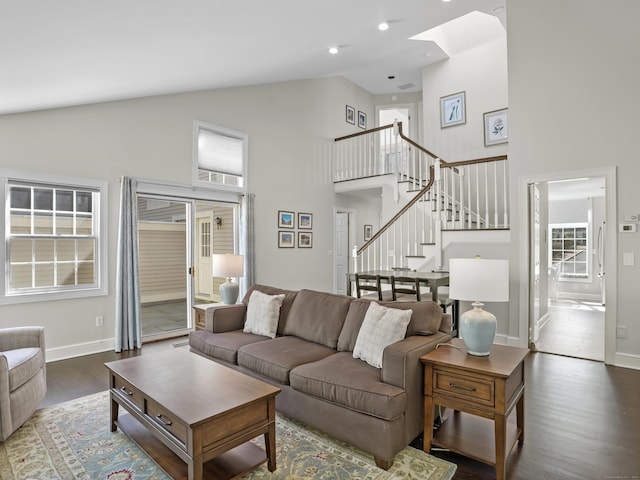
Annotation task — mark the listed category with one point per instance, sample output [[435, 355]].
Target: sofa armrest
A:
[[225, 318], [401, 366], [401, 360], [21, 337]]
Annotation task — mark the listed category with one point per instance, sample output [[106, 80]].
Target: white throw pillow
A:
[[381, 326], [263, 312]]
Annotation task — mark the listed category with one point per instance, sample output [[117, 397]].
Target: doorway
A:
[[344, 239], [176, 237], [567, 265], [164, 256]]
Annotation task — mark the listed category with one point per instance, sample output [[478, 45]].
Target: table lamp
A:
[[227, 265], [476, 280]]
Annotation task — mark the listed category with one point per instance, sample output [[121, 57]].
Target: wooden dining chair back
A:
[[368, 283], [405, 288]]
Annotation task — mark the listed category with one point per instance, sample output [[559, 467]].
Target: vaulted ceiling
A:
[[70, 52]]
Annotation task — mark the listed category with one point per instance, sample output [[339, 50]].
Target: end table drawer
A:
[[479, 391]]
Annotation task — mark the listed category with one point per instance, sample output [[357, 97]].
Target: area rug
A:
[[72, 441]]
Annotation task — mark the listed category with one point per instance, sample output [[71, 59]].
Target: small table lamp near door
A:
[[478, 280], [228, 266]]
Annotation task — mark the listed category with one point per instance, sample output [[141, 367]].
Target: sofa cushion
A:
[[289, 296], [275, 359], [351, 383], [317, 317], [222, 346], [381, 327], [263, 313], [425, 320], [23, 364]]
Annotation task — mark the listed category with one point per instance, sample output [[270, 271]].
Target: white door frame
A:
[[609, 173]]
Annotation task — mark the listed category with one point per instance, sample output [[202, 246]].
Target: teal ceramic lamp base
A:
[[229, 292], [478, 330]]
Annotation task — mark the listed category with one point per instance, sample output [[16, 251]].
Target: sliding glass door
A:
[[176, 239]]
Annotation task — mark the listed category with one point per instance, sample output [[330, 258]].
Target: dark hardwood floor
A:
[[582, 417]]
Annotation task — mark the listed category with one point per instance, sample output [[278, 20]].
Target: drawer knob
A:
[[160, 418], [462, 387], [125, 391]]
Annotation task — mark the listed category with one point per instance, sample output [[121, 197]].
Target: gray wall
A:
[[573, 100], [291, 127]]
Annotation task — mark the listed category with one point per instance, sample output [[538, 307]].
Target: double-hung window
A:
[[52, 238]]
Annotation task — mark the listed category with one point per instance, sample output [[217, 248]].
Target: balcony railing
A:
[[467, 195]]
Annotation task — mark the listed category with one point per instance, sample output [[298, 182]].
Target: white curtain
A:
[[128, 318], [247, 241]]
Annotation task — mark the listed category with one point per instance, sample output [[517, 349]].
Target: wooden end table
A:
[[483, 392], [196, 408]]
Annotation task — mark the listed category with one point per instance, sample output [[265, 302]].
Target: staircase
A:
[[443, 197]]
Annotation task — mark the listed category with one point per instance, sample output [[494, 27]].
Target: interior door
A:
[[342, 252], [534, 264]]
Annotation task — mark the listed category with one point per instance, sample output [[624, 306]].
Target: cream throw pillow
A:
[[263, 312], [381, 326]]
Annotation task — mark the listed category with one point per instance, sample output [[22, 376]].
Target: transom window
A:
[[220, 157], [52, 238], [569, 249]]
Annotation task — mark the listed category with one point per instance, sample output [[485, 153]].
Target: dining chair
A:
[[369, 283], [405, 288]]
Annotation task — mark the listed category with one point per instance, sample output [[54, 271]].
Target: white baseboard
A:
[[627, 360], [80, 349]]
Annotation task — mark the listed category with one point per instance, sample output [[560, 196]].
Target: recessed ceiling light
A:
[[333, 50], [383, 26]]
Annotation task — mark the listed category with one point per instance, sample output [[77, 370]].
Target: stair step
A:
[[415, 256]]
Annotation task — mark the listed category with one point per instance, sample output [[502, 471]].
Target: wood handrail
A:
[[400, 212], [472, 162], [365, 132]]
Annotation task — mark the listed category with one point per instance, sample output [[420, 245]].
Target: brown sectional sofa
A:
[[379, 410]]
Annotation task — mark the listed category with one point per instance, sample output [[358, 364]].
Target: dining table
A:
[[431, 279]]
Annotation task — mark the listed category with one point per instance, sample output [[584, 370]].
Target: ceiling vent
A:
[[406, 86]]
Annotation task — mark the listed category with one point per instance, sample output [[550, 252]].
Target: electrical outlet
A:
[[99, 321], [621, 331]]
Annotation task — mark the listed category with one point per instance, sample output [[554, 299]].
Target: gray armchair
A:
[[23, 376]]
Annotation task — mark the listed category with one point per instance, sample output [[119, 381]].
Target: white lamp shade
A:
[[225, 265], [479, 279]]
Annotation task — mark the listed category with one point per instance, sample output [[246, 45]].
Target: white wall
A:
[[482, 74], [291, 127], [574, 102]]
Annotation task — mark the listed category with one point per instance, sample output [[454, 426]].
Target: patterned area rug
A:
[[72, 441]]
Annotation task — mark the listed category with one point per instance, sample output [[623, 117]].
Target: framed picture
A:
[[286, 239], [452, 110], [305, 239], [496, 127], [362, 119], [368, 231], [351, 115], [305, 221], [285, 219]]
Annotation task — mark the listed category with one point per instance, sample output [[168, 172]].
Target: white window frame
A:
[[198, 126], [55, 293], [588, 263]]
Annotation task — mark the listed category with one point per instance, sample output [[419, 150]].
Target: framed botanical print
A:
[[496, 127], [453, 110]]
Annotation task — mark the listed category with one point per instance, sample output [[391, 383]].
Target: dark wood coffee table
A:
[[199, 410]]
